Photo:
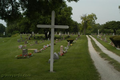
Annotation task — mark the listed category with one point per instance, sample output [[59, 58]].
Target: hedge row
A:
[[115, 40]]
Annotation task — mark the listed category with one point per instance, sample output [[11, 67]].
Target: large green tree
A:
[[114, 25], [88, 21], [11, 9], [24, 15]]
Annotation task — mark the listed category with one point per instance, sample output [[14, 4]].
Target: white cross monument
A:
[[52, 26]]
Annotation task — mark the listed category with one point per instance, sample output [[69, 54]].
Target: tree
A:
[[114, 25], [88, 21], [2, 29], [11, 9], [24, 15]]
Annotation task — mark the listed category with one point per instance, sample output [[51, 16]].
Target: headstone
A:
[[44, 47], [66, 49], [26, 42], [68, 34], [47, 45], [24, 52], [59, 33], [68, 43], [48, 39], [78, 34], [76, 38], [36, 42], [32, 33], [113, 34], [61, 49], [56, 56], [18, 40], [59, 53], [20, 36], [98, 32], [105, 39], [4, 33]]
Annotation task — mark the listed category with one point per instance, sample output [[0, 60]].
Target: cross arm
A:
[[62, 26], [44, 26]]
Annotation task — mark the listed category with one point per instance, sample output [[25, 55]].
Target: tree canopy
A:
[[11, 9], [88, 21], [23, 15], [114, 25]]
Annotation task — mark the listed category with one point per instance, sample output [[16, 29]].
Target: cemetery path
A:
[[107, 72], [106, 51]]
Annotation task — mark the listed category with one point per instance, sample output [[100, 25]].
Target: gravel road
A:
[[107, 72], [106, 51]]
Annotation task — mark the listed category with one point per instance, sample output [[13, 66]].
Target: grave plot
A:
[[41, 47]]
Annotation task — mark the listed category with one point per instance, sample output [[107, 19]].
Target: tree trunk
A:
[[114, 31], [85, 26], [45, 34]]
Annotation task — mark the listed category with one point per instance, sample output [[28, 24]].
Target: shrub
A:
[[70, 40], [115, 40]]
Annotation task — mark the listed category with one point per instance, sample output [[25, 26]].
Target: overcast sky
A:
[[105, 10]]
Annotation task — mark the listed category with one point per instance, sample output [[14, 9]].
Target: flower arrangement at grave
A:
[[25, 56], [62, 54]]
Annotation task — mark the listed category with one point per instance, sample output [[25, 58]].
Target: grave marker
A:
[[78, 34], [20, 36], [26, 42], [4, 33], [68, 34], [56, 56], [18, 40], [52, 26], [36, 42], [61, 50], [24, 52]]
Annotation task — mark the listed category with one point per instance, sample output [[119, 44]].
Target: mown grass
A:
[[107, 45], [105, 56], [76, 64]]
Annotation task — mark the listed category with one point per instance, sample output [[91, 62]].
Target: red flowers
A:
[[25, 56], [29, 54]]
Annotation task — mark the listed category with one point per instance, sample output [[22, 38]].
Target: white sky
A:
[[105, 10]]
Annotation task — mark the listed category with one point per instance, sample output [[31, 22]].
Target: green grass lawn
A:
[[107, 45], [76, 64]]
